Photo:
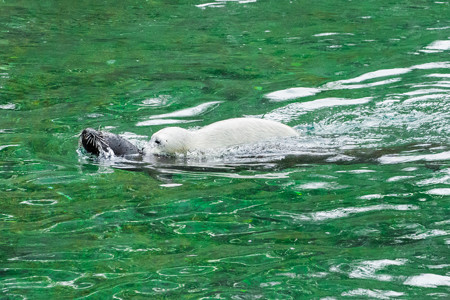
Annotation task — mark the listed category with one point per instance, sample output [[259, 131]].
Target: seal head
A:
[[171, 140], [101, 142]]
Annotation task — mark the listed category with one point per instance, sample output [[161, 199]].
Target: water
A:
[[357, 207]]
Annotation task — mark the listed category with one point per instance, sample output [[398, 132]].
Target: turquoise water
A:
[[356, 207]]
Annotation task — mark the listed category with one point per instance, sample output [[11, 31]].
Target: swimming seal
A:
[[102, 142], [221, 134]]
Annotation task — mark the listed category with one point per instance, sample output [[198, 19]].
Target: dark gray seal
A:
[[99, 142]]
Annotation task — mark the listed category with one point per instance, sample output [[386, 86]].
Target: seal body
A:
[[221, 134], [102, 142]]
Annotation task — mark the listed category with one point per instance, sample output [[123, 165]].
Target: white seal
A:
[[217, 135]]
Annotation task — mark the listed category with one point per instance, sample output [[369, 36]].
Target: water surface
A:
[[356, 207]]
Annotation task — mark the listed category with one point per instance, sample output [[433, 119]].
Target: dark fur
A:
[[98, 142]]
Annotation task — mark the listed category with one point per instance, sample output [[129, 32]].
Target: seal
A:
[[222, 134], [106, 143]]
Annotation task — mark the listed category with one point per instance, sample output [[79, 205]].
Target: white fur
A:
[[221, 134]]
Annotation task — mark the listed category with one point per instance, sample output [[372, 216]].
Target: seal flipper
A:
[[97, 142]]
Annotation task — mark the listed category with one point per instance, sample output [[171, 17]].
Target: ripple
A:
[[9, 106], [441, 177], [23, 278], [427, 99], [164, 122], [189, 112], [6, 217], [125, 248], [378, 294], [293, 110], [331, 33], [248, 260], [356, 82], [345, 212], [160, 101], [399, 178], [63, 256], [6, 146], [379, 196], [320, 185], [170, 185], [398, 159], [187, 271], [428, 280], [27, 282], [42, 202], [57, 179], [439, 192], [147, 288], [250, 294], [424, 91], [437, 46], [439, 75], [71, 226], [221, 3], [368, 269], [425, 235], [292, 93], [357, 171], [212, 228]]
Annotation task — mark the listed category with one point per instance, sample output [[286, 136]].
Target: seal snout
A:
[[91, 140], [106, 143]]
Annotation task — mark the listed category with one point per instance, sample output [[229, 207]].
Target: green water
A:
[[357, 207]]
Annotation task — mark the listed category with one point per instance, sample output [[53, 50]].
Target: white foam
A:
[[428, 280]]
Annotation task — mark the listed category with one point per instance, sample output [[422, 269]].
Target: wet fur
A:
[[221, 134], [101, 142]]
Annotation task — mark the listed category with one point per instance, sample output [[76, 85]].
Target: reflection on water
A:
[[355, 207]]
